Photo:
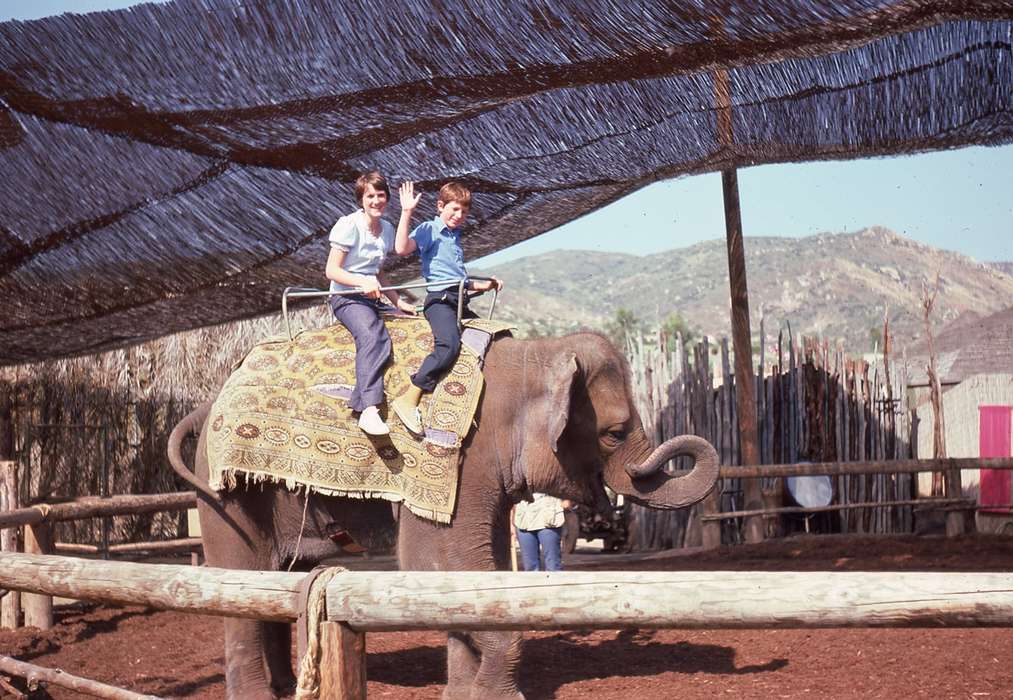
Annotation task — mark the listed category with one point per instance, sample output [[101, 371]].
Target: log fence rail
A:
[[363, 601]]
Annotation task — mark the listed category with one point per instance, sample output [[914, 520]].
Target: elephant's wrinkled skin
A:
[[556, 417]]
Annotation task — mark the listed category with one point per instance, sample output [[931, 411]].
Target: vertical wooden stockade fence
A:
[[814, 404]]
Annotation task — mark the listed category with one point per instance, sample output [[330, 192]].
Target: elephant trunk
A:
[[648, 483]]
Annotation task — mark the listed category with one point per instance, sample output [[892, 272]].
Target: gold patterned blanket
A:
[[283, 416]]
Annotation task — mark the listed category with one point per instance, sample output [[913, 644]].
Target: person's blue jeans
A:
[[548, 539], [440, 310], [361, 316]]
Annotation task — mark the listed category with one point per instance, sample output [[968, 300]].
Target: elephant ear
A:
[[561, 378]]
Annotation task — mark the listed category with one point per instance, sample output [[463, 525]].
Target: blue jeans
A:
[[441, 311], [548, 538], [361, 316]]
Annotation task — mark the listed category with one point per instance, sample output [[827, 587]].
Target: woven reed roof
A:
[[970, 345], [172, 166]]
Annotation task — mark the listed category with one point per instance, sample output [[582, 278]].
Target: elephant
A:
[[556, 416]]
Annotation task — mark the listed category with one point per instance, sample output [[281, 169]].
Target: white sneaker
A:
[[371, 423]]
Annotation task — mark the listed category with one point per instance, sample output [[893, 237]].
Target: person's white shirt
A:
[[364, 252], [542, 512]]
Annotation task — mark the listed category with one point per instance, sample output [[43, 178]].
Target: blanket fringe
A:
[[230, 481]]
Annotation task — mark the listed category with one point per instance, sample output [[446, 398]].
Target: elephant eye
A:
[[614, 436]]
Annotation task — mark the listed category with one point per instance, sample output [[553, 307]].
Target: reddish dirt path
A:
[[177, 655]]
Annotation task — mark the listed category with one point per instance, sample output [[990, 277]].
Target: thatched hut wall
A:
[[99, 424]]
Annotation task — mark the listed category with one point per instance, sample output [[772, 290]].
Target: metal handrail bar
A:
[[309, 292]]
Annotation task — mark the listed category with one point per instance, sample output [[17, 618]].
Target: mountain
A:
[[836, 285]]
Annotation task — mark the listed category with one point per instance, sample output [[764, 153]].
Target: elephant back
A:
[[283, 416]]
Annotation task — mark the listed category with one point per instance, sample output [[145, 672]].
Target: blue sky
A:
[[959, 200]]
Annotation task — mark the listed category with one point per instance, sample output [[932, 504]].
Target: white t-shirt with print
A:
[[364, 251], [542, 512]]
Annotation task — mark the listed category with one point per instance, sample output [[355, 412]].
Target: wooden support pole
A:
[[271, 596], [342, 662], [415, 600], [96, 506], [741, 335], [955, 520], [10, 605], [38, 607], [39, 676], [6, 422], [710, 520]]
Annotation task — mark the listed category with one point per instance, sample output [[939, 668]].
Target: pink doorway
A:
[[994, 441]]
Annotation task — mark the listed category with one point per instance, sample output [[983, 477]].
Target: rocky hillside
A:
[[835, 285]]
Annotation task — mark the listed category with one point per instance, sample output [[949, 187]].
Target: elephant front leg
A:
[[245, 667], [483, 666], [278, 656]]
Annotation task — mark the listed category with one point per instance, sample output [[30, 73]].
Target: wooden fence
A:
[[813, 404], [38, 523], [73, 437], [357, 602]]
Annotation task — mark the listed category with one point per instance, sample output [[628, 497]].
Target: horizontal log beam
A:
[[181, 545], [75, 548], [97, 506], [921, 503], [184, 544], [39, 675], [258, 595], [893, 466], [415, 600], [374, 600]]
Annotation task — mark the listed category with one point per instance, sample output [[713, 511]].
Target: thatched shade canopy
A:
[[172, 166]]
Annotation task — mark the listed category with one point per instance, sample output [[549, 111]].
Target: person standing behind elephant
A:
[[539, 526], [359, 243], [439, 245]]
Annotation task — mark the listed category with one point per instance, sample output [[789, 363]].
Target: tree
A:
[[875, 338], [675, 324], [625, 325]]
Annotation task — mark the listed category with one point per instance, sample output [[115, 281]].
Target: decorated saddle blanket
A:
[[283, 416]]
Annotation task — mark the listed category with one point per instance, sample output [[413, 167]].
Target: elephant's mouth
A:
[[600, 500]]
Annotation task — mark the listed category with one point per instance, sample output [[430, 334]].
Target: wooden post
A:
[[741, 336], [342, 662], [38, 607], [711, 529], [10, 605], [6, 422]]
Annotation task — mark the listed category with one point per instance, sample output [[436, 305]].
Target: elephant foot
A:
[[471, 693], [480, 693], [248, 694], [284, 687]]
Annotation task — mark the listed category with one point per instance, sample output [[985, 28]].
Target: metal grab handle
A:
[[308, 292]]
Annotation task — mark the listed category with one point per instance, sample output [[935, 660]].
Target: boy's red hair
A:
[[455, 192]]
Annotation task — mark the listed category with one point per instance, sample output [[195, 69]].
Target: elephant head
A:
[[596, 438]]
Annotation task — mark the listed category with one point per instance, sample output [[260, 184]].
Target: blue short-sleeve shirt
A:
[[440, 252]]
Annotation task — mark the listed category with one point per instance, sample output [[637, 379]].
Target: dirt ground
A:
[[176, 655]]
